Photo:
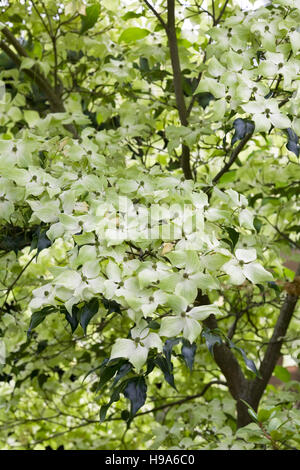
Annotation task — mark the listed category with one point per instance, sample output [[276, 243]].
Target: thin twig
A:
[[234, 155], [17, 278], [158, 16]]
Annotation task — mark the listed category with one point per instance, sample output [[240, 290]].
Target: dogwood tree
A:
[[149, 181]]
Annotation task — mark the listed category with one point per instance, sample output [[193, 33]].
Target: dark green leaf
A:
[[34, 374], [38, 317], [257, 224], [125, 415], [103, 411], [293, 142], [87, 312], [168, 347], [115, 396], [41, 346], [136, 392], [233, 235], [73, 319], [154, 325], [42, 378], [111, 306], [167, 369], [188, 351], [274, 286], [248, 362], [124, 369], [211, 339], [40, 240], [103, 364], [204, 98], [229, 242], [106, 375], [189, 85], [144, 64], [242, 128], [43, 241]]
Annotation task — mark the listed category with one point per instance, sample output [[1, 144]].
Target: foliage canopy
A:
[[149, 182]]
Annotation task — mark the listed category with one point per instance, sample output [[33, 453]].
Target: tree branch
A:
[[55, 100], [213, 12], [173, 46], [228, 364], [222, 12], [183, 400], [272, 353], [177, 80], [225, 359], [158, 16], [283, 235], [235, 153]]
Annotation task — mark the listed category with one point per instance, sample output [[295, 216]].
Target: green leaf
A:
[[252, 414], [130, 15], [257, 224], [264, 415], [250, 411], [31, 117], [228, 177], [90, 18], [282, 373], [42, 378], [133, 34]]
